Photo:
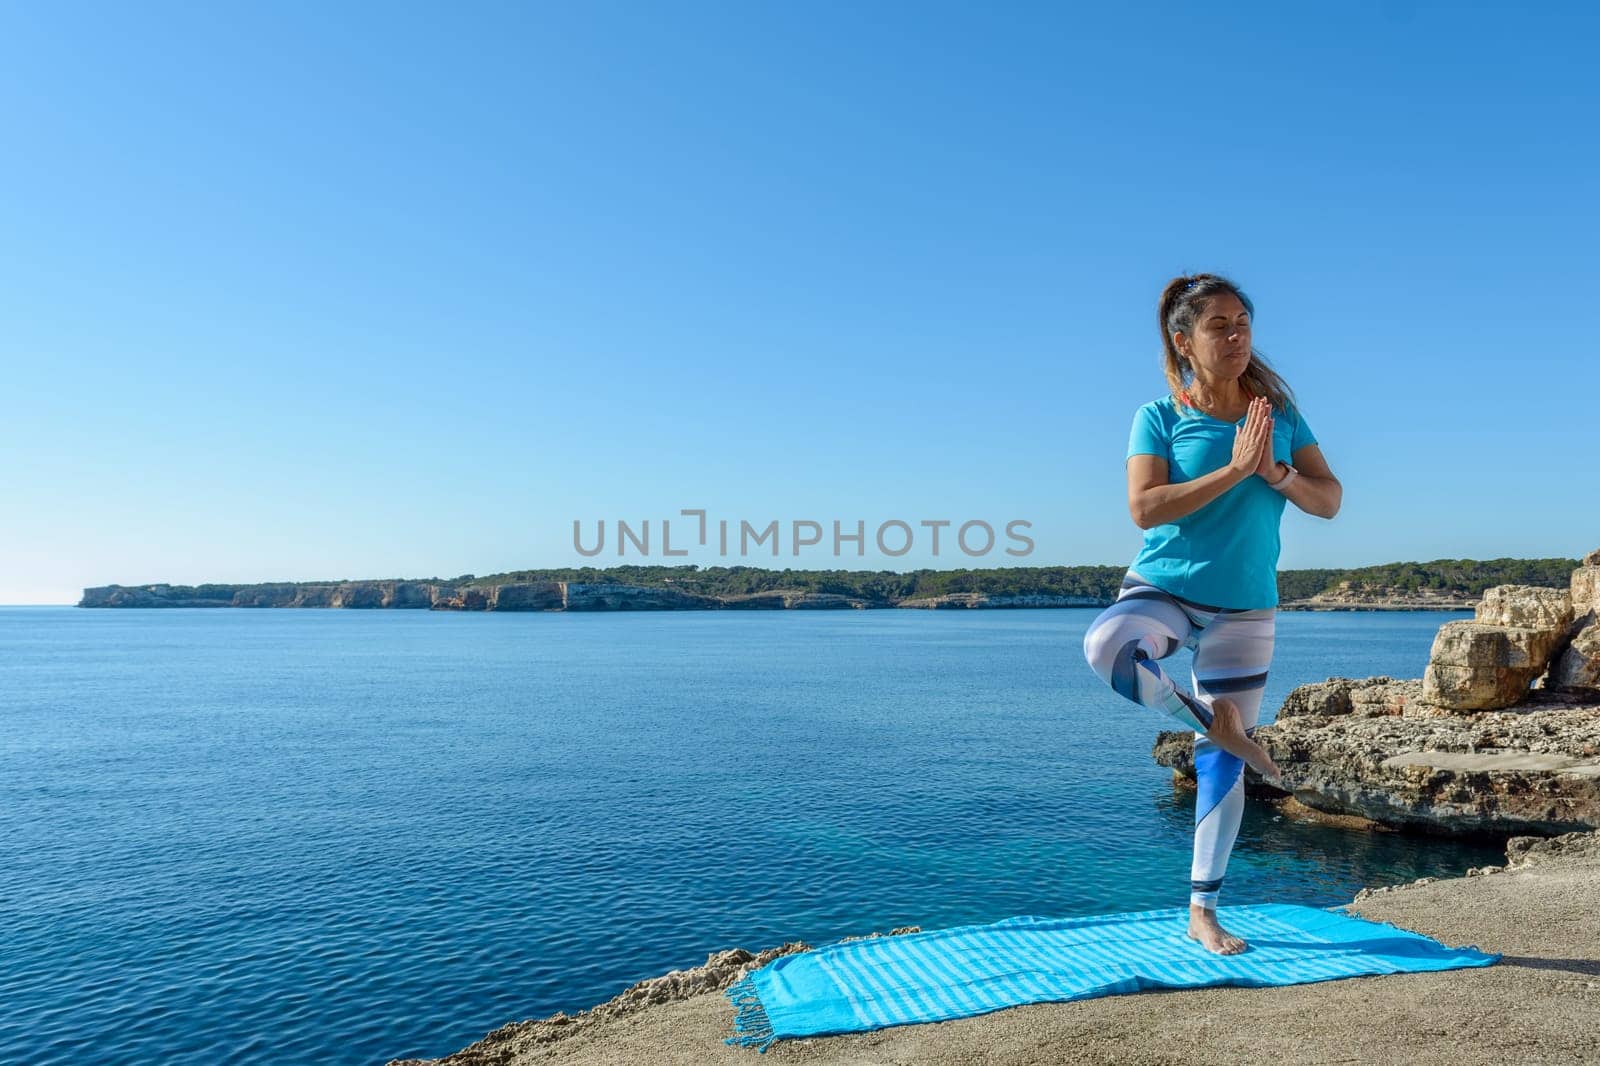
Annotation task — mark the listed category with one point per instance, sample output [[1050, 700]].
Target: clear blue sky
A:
[[306, 291]]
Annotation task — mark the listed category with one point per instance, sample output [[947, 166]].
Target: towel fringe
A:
[[751, 1023]]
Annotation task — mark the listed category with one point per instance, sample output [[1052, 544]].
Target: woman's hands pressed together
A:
[[1252, 442], [1153, 499]]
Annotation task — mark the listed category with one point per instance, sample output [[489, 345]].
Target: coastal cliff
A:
[[348, 594], [1500, 735], [1348, 596], [522, 596], [1444, 584]]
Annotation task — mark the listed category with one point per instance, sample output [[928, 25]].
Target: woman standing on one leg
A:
[[1209, 470]]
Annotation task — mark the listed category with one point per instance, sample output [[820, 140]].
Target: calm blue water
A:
[[346, 836]]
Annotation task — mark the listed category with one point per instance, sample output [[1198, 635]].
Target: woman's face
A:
[[1219, 348]]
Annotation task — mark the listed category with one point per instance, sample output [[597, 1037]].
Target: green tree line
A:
[[1466, 578], [1461, 577]]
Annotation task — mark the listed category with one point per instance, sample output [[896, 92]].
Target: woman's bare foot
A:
[[1204, 928], [1228, 734]]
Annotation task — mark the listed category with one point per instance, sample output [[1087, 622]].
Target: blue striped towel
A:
[[974, 969]]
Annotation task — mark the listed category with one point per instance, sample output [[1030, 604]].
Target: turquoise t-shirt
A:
[[1226, 553]]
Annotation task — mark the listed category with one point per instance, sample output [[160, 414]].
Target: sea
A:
[[342, 836]]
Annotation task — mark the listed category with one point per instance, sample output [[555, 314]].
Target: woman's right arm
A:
[[1152, 500]]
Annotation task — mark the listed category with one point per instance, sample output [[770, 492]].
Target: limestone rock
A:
[[1490, 661], [1525, 607], [281, 594], [358, 595], [474, 599], [1534, 769], [1585, 589], [1175, 749], [528, 596], [602, 596], [141, 596], [1579, 665], [314, 596], [1359, 596], [405, 594], [771, 600], [1531, 851], [444, 597], [1364, 697], [1476, 666]]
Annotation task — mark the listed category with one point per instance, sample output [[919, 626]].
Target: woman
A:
[[1210, 467]]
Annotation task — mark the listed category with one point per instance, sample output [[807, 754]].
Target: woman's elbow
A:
[[1335, 500], [1140, 516]]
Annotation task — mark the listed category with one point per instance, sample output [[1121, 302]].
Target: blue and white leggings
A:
[[1232, 649]]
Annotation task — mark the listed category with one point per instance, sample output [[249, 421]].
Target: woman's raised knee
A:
[[1106, 638]]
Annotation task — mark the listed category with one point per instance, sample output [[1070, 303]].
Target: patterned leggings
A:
[[1232, 649]]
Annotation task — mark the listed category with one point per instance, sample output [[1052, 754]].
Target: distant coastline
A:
[[1442, 585]]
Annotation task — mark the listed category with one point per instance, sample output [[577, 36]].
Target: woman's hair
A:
[[1181, 303]]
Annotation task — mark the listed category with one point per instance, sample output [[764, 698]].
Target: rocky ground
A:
[[1530, 768], [1539, 1004], [1500, 735]]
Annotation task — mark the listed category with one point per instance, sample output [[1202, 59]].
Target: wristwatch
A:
[[1283, 482]]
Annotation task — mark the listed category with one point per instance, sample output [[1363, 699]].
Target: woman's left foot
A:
[[1227, 732], [1204, 928]]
